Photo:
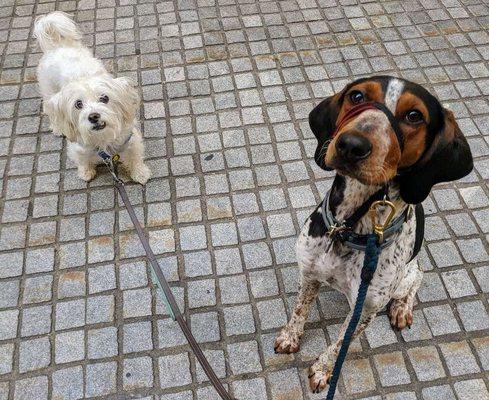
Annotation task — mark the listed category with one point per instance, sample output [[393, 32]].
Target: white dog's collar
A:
[[105, 154]]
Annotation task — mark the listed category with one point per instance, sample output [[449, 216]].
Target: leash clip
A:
[[379, 228], [111, 163]]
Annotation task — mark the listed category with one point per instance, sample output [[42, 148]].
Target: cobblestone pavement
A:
[[227, 87]]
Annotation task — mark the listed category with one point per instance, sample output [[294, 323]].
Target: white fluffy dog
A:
[[95, 111]]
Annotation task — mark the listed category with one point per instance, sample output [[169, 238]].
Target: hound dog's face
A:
[[382, 127]]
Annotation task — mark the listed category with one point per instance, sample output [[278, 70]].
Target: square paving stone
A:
[[205, 327], [31, 388], [441, 320], [100, 309], [11, 264], [239, 320], [136, 302], [71, 284], [8, 324], [216, 360], [459, 358], [100, 379], [137, 337], [458, 283], [102, 342], [285, 383], [9, 293], [132, 275], [174, 370], [70, 314], [473, 315], [391, 369], [358, 376], [170, 334], [201, 293], [6, 358], [228, 261], [244, 357], [34, 354], [263, 283], [234, 289], [101, 278], [69, 346], [379, 333], [38, 289], [438, 393], [471, 389], [250, 389], [68, 383], [138, 373], [426, 363], [272, 313], [198, 264]]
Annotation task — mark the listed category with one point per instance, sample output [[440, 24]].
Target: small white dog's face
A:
[[96, 111]]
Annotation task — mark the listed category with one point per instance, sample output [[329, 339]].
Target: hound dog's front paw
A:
[[140, 174], [86, 173], [319, 376], [401, 314], [287, 341]]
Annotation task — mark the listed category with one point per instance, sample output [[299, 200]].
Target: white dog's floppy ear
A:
[[59, 118], [128, 97]]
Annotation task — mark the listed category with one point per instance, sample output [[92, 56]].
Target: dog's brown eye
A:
[[414, 116], [78, 104], [356, 97], [104, 98]]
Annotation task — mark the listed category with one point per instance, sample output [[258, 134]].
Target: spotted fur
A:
[[340, 268]]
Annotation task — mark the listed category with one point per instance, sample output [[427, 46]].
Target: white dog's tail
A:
[[56, 29]]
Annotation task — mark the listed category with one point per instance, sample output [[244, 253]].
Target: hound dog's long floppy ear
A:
[[448, 158], [322, 120]]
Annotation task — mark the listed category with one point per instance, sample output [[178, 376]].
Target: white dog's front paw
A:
[[140, 173], [86, 173]]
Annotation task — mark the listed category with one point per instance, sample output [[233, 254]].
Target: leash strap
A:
[[370, 261], [162, 283]]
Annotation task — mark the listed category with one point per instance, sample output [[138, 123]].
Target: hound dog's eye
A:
[[357, 97], [104, 98], [78, 104], [414, 117]]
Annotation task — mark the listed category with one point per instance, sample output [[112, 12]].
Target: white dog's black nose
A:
[[353, 147], [94, 117]]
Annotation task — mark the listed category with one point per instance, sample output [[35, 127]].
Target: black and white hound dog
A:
[[379, 132]]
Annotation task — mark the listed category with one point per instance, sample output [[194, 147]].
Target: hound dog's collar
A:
[[343, 231]]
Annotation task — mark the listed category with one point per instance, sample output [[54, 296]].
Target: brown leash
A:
[[162, 283]]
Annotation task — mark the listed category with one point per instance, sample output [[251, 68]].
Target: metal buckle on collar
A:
[[335, 229], [379, 228]]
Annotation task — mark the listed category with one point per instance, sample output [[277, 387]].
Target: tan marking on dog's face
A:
[[414, 134], [386, 158]]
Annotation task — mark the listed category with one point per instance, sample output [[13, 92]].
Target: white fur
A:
[[393, 92], [68, 73]]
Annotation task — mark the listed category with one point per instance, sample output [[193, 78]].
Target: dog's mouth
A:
[[99, 126]]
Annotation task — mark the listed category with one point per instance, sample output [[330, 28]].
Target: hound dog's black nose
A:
[[352, 147], [94, 117]]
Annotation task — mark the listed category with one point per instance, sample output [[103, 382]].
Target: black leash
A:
[[162, 283]]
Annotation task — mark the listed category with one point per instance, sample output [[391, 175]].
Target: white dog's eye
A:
[[104, 98], [78, 104]]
